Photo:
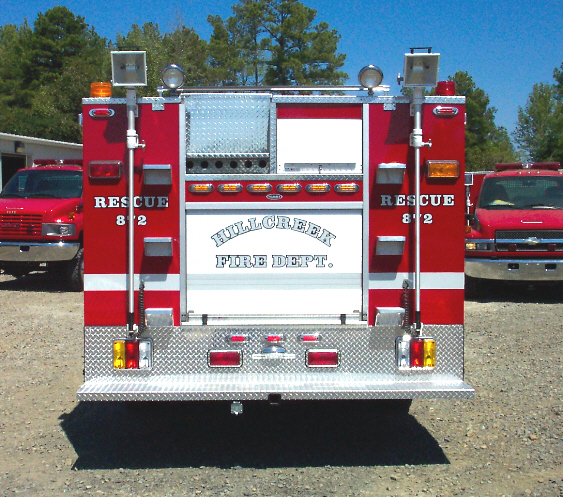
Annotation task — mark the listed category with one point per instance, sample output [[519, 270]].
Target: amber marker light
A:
[[100, 90], [119, 354], [347, 188], [259, 188], [442, 169], [318, 188], [200, 188], [289, 188], [230, 188]]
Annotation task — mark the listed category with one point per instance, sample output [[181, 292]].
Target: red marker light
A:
[[105, 169]]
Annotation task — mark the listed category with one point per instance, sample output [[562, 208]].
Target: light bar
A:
[[105, 169], [200, 188], [225, 358], [442, 169]]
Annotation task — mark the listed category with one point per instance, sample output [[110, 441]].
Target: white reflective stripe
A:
[[118, 282], [428, 281], [282, 206]]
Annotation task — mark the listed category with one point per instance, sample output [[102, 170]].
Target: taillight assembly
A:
[[415, 352], [318, 358], [225, 358], [132, 354]]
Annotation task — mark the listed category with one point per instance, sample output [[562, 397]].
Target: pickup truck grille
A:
[[20, 224], [529, 241]]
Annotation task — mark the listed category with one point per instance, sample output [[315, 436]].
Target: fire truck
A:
[[515, 224], [273, 244], [41, 221]]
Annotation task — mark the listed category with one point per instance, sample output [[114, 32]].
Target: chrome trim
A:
[[38, 252], [529, 269]]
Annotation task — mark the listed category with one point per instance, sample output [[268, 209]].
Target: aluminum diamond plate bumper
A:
[[366, 370]]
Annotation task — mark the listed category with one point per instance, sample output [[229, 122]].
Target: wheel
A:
[[75, 272]]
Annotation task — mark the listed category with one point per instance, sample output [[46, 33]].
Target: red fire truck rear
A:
[[41, 221], [515, 228], [274, 243]]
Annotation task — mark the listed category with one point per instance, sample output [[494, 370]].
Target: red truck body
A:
[[515, 230], [273, 249], [41, 221]]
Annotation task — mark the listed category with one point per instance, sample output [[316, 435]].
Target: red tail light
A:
[[225, 358], [105, 169], [417, 353], [132, 354], [322, 358]]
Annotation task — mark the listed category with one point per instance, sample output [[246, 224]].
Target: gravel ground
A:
[[506, 442]]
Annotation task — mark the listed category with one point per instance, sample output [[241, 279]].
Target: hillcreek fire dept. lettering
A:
[[270, 222], [410, 200], [261, 261], [115, 202]]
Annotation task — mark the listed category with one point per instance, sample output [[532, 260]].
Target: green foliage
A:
[[485, 144], [539, 132], [274, 42]]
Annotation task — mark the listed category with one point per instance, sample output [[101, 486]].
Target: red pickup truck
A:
[[515, 225], [41, 221]]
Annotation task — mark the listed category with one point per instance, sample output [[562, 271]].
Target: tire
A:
[[471, 287], [75, 272]]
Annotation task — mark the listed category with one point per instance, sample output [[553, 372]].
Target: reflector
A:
[[322, 358]]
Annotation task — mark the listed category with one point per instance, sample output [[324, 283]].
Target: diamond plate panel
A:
[[367, 365], [232, 125]]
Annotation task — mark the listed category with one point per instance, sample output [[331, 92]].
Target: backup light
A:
[[173, 76]]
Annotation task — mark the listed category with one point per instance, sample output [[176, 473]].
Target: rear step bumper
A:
[[259, 387]]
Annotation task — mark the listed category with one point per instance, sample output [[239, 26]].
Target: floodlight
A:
[[421, 69], [129, 68], [173, 76], [370, 77]]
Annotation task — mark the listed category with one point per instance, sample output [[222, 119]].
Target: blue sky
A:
[[506, 46]]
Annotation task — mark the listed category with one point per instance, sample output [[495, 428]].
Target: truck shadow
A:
[[180, 434], [34, 282], [503, 292]]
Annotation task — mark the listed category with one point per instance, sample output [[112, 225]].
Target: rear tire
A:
[[75, 272]]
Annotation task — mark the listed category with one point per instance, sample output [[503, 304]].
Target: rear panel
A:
[[288, 225]]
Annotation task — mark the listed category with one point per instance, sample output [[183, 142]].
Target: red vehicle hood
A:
[[537, 219], [49, 208]]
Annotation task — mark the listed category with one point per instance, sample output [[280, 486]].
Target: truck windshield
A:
[[513, 192], [33, 183]]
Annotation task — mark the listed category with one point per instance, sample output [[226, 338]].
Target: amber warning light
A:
[[100, 90]]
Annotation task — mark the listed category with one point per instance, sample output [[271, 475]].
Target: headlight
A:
[[478, 246], [58, 229], [173, 76]]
